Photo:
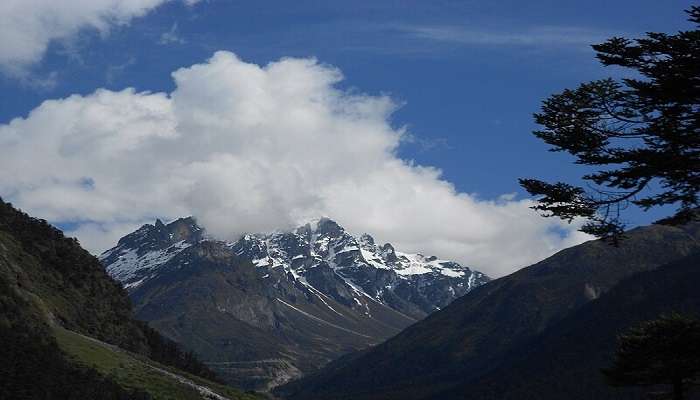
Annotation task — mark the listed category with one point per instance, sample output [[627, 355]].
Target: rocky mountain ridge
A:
[[409, 283], [270, 307]]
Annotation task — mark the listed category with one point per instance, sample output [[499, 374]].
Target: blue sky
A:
[[468, 74]]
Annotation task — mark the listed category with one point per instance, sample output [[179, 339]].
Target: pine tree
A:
[[662, 351], [639, 133]]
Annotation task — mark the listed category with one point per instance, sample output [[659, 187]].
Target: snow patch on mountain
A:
[[129, 264], [410, 283]]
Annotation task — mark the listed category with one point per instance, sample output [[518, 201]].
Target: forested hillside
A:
[[51, 288]]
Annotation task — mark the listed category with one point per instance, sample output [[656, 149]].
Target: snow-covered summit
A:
[[149, 247], [313, 254]]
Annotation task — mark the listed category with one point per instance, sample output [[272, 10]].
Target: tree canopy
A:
[[641, 134], [662, 351]]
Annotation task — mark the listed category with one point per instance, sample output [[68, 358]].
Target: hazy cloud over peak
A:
[[249, 148]]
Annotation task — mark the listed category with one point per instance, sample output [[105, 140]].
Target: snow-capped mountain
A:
[[304, 297], [139, 254], [411, 283]]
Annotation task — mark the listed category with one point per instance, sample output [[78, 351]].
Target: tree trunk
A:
[[677, 389]]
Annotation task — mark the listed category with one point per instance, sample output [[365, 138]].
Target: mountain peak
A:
[[185, 229], [320, 242], [328, 226], [388, 252], [366, 240]]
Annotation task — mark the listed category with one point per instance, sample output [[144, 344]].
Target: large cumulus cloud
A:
[[248, 148]]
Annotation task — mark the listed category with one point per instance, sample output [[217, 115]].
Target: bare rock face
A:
[[268, 308]]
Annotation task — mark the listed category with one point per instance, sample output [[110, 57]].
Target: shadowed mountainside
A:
[[564, 362], [472, 337]]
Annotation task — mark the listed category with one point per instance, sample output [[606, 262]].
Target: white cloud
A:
[[248, 149], [27, 27], [535, 36], [171, 36], [102, 235]]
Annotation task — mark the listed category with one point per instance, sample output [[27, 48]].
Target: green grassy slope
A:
[[137, 372]]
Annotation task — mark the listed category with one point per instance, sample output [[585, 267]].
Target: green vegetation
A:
[[133, 371], [67, 330], [69, 283], [665, 350], [33, 366]]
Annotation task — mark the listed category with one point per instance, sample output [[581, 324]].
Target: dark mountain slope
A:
[[220, 307], [50, 285], [565, 361], [470, 337]]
